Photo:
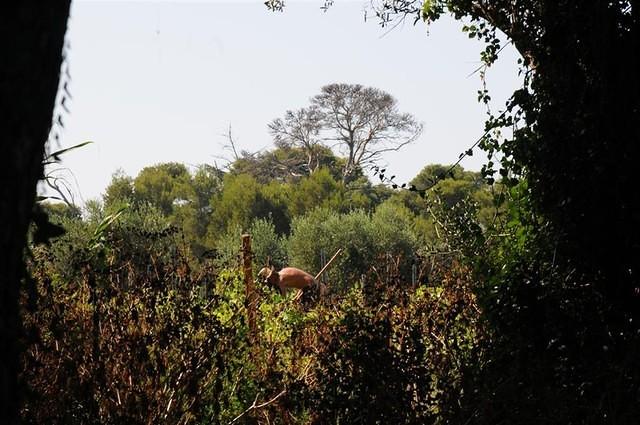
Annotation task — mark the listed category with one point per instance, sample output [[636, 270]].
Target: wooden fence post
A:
[[251, 296]]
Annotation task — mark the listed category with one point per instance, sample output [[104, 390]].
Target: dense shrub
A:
[[137, 331], [400, 359], [266, 244], [123, 340], [555, 351], [125, 325], [366, 240]]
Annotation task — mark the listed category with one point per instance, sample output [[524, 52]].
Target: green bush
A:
[[402, 360], [327, 231], [265, 243], [128, 327], [367, 241]]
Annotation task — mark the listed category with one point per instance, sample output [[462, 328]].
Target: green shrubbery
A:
[[126, 325], [471, 321], [141, 334], [367, 240], [133, 318]]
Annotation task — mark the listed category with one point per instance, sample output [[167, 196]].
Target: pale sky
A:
[[160, 81]]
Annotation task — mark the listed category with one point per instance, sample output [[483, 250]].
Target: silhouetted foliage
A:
[[33, 46]]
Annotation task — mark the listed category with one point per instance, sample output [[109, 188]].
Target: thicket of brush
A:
[[124, 326]]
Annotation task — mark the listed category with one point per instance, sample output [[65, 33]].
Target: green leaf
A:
[[104, 225]]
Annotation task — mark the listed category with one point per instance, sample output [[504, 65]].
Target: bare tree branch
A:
[[300, 129], [237, 155], [255, 406], [365, 122], [231, 143]]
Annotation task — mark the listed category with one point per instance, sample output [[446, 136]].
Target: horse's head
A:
[[268, 275]]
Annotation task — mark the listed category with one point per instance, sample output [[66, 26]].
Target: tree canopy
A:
[[362, 122]]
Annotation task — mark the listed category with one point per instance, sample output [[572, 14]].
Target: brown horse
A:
[[290, 278]]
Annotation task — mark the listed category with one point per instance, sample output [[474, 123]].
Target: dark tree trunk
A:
[[31, 41]]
